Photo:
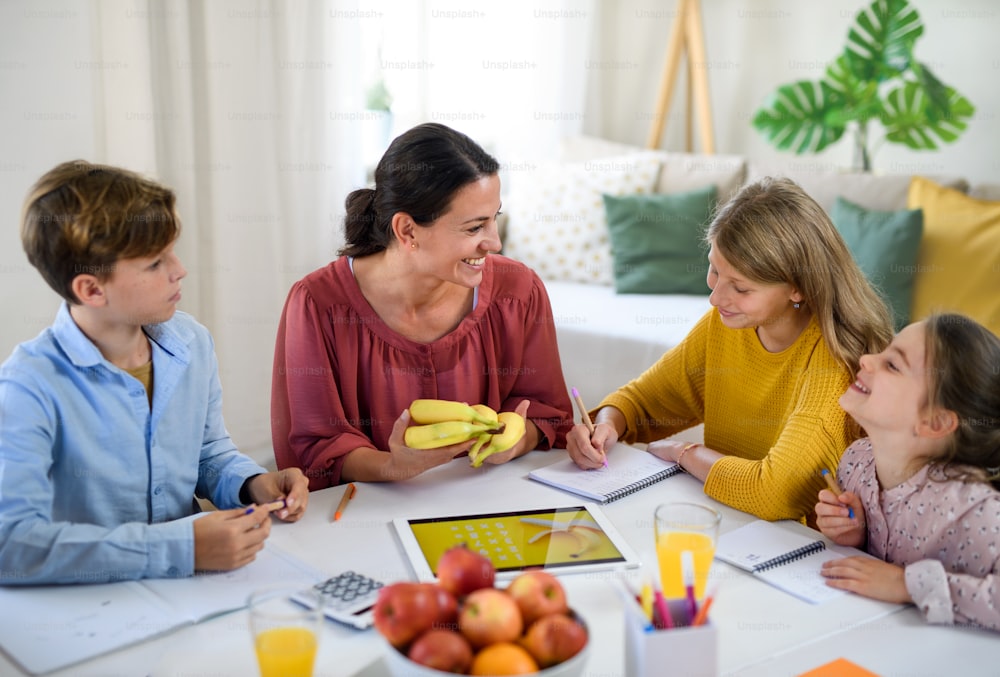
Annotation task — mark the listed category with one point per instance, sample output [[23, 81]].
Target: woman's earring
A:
[[796, 305], [413, 245]]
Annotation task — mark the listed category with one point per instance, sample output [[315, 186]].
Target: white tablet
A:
[[561, 540]]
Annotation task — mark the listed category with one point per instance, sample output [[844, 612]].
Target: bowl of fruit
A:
[[465, 624]]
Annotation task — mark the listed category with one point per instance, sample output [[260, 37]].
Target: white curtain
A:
[[239, 107], [512, 74]]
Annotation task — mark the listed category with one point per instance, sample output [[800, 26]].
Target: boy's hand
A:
[[228, 539], [868, 577], [832, 518], [290, 485]]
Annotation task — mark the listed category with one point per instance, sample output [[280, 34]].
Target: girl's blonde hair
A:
[[963, 368], [772, 232]]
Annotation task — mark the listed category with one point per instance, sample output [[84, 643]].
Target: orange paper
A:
[[839, 668]]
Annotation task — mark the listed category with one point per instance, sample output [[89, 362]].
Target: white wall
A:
[[753, 46], [45, 118]]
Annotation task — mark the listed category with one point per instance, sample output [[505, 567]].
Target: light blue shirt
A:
[[94, 485]]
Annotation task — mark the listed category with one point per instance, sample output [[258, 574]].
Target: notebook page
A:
[[803, 579], [753, 544], [626, 466]]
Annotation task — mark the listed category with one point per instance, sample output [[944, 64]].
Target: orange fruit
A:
[[503, 658]]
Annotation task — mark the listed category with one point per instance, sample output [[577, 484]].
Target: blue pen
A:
[[831, 482]]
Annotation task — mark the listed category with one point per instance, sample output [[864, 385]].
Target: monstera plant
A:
[[875, 80]]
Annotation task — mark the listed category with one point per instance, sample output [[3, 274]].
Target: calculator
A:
[[348, 598]]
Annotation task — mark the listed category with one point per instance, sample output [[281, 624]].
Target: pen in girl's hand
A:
[[831, 483], [585, 417]]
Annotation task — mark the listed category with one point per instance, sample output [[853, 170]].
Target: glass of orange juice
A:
[[683, 527], [285, 633]]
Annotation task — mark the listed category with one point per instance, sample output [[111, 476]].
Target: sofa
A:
[[929, 243]]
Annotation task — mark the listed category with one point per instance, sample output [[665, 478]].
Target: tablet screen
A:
[[554, 538]]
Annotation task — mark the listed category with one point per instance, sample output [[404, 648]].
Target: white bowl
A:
[[401, 666]]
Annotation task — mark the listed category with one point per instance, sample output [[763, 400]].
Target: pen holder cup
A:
[[687, 651]]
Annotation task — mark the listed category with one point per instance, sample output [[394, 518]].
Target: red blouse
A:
[[342, 377]]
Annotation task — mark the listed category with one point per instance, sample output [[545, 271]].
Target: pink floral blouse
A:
[[945, 532]]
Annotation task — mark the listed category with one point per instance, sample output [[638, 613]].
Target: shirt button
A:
[[158, 490], [135, 393], [172, 571]]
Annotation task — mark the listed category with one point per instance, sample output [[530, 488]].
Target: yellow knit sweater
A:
[[775, 415]]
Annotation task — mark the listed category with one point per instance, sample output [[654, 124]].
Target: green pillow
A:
[[656, 241], [885, 245]]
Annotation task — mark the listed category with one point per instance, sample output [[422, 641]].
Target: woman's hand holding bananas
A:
[[441, 423]]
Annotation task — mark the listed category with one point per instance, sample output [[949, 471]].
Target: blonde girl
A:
[[792, 316]]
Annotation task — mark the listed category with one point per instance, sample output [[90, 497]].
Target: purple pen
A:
[[687, 568], [584, 416]]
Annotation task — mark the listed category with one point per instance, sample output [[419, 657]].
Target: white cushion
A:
[[680, 172], [557, 224]]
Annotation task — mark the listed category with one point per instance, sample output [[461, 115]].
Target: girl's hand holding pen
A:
[[834, 520], [590, 451]]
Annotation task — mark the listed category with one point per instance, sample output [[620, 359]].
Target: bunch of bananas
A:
[[443, 422]]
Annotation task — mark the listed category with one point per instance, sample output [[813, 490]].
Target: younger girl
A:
[[920, 483]]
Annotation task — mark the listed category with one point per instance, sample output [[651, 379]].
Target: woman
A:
[[764, 370], [417, 306]]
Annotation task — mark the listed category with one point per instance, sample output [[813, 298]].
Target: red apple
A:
[[553, 639], [489, 615], [538, 593], [461, 571], [442, 650], [403, 611], [447, 616]]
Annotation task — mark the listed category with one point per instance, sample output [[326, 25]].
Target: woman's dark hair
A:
[[963, 360], [419, 174]]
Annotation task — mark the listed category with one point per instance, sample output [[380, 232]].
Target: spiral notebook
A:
[[785, 554], [629, 470]]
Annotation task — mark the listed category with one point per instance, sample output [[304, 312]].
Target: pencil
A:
[[702, 615], [831, 482], [585, 417], [348, 495]]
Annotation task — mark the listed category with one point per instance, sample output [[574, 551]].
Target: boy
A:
[[111, 419]]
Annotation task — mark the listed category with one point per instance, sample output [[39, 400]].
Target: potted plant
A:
[[875, 79]]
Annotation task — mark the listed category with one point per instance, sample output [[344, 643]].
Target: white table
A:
[[762, 631]]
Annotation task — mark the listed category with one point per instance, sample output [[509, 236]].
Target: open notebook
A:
[[629, 470], [45, 628], [784, 554]]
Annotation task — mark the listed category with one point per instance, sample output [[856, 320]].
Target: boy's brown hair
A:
[[81, 218]]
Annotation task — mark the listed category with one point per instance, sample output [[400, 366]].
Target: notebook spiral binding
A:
[[638, 486], [798, 553]]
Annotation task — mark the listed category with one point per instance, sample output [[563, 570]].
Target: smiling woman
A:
[[419, 305]]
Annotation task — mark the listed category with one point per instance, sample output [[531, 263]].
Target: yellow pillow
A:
[[958, 265]]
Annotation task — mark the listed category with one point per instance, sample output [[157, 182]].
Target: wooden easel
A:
[[686, 32]]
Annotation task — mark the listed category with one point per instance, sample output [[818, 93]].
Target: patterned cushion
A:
[[557, 224]]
